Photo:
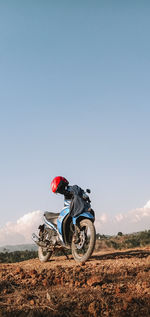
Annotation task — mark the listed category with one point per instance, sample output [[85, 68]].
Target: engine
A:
[[48, 235]]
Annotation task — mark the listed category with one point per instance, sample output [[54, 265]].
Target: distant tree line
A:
[[121, 241], [17, 256], [124, 241]]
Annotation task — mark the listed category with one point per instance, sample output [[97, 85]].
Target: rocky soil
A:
[[109, 284]]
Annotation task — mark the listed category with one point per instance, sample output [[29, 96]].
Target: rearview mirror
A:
[[88, 191]]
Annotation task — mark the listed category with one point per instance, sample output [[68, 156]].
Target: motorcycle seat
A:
[[52, 217]]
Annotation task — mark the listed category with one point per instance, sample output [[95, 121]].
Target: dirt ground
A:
[[109, 284]]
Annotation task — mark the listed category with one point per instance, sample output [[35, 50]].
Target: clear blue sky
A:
[[74, 101]]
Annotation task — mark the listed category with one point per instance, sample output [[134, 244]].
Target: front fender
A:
[[87, 215]]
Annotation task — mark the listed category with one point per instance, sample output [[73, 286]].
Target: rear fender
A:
[[66, 227]]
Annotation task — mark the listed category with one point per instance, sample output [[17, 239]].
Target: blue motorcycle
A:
[[61, 231]]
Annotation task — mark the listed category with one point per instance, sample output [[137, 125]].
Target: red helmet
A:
[[58, 184]]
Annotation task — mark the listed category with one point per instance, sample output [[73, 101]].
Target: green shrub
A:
[[121, 241], [17, 256]]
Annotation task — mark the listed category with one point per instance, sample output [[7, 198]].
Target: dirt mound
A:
[[109, 284]]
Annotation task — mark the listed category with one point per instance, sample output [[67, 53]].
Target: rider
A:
[[79, 200]]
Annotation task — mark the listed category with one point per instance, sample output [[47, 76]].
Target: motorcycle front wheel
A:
[[84, 246], [43, 254]]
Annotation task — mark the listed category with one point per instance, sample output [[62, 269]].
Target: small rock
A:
[[40, 277], [48, 296], [22, 276], [32, 272], [82, 263], [5, 291], [18, 270], [93, 281], [94, 308], [32, 302], [45, 282], [34, 282]]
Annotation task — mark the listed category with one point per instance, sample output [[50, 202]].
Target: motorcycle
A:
[[61, 231]]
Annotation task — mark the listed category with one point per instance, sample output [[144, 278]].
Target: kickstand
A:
[[66, 255]]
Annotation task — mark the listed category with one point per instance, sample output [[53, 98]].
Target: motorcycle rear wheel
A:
[[83, 250], [44, 256]]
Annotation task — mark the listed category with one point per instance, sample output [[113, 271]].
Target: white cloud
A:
[[119, 217], [132, 221], [147, 206], [21, 231], [104, 218]]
